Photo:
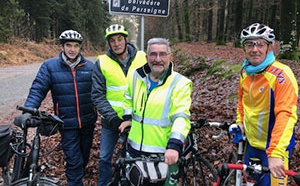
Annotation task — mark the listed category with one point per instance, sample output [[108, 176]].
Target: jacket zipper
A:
[[142, 122], [76, 94]]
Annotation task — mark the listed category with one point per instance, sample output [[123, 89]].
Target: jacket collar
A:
[[63, 62]]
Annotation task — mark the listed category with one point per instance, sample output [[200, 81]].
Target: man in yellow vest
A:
[[109, 84], [157, 103]]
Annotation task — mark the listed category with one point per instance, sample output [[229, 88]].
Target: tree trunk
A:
[[210, 21], [220, 22], [289, 48], [298, 23], [250, 11], [195, 20], [266, 12], [227, 22], [186, 20], [238, 21], [178, 20]]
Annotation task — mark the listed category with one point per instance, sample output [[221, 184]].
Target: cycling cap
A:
[[70, 35], [258, 30], [115, 29]]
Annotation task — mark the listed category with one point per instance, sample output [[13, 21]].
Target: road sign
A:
[[140, 7]]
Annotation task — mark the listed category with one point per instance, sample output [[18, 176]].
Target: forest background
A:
[[217, 21], [205, 42]]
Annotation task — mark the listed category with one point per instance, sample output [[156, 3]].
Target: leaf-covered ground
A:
[[214, 71]]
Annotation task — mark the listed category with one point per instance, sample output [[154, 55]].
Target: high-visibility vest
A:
[[116, 80], [159, 116]]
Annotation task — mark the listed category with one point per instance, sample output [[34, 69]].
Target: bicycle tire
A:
[[43, 181], [202, 172]]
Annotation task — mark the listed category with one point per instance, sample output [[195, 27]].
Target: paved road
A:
[[15, 83]]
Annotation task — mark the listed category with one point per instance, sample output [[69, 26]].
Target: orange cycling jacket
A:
[[267, 107]]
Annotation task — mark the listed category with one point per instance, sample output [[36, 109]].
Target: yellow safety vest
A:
[[116, 80], [159, 116]]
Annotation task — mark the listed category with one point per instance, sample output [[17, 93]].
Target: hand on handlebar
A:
[[237, 131], [21, 120], [124, 125], [171, 156], [276, 166]]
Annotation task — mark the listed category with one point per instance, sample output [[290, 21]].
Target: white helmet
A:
[[70, 35], [258, 30]]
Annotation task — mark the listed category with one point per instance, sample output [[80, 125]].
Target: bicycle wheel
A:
[[43, 181], [199, 172]]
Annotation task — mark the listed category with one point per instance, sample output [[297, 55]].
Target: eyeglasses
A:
[[260, 44], [153, 55]]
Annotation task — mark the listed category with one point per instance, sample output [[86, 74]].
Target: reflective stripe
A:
[[168, 100], [116, 103], [133, 85], [146, 148], [127, 111], [127, 96], [164, 122], [181, 114], [178, 136], [260, 124], [116, 88]]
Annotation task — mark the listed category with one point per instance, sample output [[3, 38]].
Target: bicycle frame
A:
[[225, 129], [31, 168]]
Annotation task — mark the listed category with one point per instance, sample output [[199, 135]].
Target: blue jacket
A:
[[71, 91]]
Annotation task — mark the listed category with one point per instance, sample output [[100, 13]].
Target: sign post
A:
[[140, 7]]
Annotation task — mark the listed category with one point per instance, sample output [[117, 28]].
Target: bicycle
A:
[[191, 163], [25, 170], [235, 176], [251, 172]]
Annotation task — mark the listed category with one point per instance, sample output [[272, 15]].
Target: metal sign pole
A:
[[142, 32]]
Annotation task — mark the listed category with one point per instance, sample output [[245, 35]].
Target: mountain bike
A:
[[24, 169], [251, 172]]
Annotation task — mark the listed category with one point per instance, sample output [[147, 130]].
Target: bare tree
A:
[[221, 23], [288, 17]]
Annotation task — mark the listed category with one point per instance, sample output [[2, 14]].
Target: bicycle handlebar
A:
[[35, 118], [223, 126], [32, 111], [258, 168]]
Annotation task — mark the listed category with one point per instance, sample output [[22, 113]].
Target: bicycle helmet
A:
[[115, 29], [70, 35], [258, 30]]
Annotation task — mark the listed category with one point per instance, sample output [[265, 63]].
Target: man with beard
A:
[[157, 103], [109, 83]]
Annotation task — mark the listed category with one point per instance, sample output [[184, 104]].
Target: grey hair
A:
[[161, 41]]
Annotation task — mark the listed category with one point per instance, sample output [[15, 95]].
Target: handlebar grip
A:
[[32, 111], [33, 123]]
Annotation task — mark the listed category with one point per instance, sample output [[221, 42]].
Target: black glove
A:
[[21, 120], [115, 123]]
